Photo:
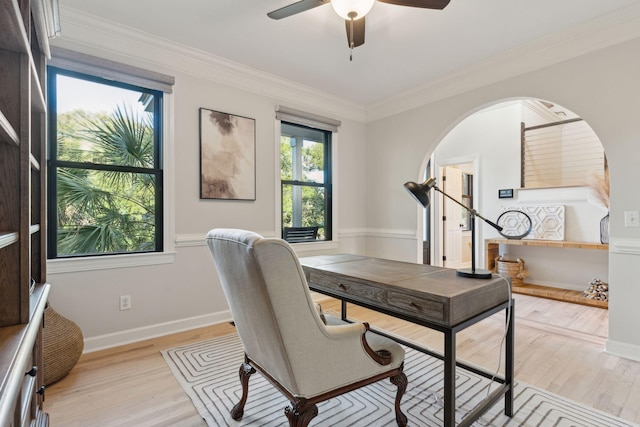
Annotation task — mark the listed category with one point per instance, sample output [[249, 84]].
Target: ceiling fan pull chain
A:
[[352, 15]]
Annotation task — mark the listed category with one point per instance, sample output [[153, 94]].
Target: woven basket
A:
[[511, 268], [62, 345]]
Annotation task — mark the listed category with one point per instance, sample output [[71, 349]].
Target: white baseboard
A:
[[628, 351], [129, 336]]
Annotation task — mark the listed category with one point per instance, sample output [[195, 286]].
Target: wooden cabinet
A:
[[25, 26]]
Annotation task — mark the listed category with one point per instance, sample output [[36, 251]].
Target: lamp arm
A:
[[473, 212]]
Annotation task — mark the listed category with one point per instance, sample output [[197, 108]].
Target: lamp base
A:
[[478, 273]]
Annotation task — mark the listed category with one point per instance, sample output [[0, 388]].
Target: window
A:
[[305, 176], [561, 154], [105, 167]]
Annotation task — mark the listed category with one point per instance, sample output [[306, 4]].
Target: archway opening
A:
[[551, 164]]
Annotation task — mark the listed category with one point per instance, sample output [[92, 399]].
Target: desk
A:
[[430, 296]]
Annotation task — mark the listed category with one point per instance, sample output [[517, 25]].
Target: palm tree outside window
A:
[[105, 175]]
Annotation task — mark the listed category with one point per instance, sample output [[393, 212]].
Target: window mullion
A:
[[103, 167]]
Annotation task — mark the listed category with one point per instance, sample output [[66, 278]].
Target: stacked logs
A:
[[597, 290]]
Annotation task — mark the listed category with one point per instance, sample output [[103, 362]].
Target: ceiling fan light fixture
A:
[[346, 8]]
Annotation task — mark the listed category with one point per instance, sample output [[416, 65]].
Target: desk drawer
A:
[[353, 289], [426, 308]]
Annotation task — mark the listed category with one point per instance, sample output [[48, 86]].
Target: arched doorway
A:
[[489, 143]]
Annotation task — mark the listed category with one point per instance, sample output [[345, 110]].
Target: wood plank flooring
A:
[[559, 347]]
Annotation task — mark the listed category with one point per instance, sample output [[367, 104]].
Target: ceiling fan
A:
[[353, 12]]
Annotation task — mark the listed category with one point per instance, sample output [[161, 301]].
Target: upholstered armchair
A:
[[285, 337]]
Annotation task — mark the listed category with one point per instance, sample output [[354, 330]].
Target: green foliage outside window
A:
[[310, 205], [105, 210]]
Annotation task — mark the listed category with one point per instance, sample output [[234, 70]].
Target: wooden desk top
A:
[[434, 294]]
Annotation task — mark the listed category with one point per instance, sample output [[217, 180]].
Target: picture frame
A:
[[227, 156]]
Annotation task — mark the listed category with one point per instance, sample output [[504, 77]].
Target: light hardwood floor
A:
[[559, 347]]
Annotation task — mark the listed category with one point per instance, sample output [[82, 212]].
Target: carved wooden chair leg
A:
[[246, 371], [301, 413], [401, 382]]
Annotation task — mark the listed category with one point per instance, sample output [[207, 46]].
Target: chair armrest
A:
[[346, 331], [359, 330], [382, 357]]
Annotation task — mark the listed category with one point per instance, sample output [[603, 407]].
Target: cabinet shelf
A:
[[557, 294], [35, 164], [38, 102], [14, 35], [7, 132], [8, 238]]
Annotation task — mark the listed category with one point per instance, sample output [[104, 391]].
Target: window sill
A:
[[72, 265]]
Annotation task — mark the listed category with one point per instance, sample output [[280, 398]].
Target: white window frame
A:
[[307, 119], [86, 64]]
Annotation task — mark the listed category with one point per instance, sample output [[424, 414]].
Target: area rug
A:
[[208, 373]]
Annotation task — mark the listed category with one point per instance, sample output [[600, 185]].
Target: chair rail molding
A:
[[387, 233], [624, 246], [198, 239]]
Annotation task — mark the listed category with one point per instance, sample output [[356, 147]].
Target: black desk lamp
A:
[[421, 193]]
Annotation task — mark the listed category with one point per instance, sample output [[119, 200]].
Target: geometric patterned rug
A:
[[208, 373]]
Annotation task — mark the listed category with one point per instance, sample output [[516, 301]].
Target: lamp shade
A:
[[345, 7], [421, 191]]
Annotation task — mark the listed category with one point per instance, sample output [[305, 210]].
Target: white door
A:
[[451, 219]]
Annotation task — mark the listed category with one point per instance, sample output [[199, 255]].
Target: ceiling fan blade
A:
[[426, 4], [295, 8], [358, 32]]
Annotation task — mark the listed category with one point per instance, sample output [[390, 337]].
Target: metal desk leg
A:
[[509, 355], [449, 378], [343, 306]]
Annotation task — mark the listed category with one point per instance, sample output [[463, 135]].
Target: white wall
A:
[[186, 293], [491, 139], [601, 87]]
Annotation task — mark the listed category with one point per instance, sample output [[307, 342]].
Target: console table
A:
[[429, 296], [492, 250]]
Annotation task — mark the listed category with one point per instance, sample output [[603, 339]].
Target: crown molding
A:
[[89, 34], [599, 33]]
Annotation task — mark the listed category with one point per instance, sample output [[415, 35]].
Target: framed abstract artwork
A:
[[227, 156]]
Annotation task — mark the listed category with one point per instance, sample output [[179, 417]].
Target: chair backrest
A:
[[300, 234], [269, 300]]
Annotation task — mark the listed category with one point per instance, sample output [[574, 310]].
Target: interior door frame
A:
[[437, 239]]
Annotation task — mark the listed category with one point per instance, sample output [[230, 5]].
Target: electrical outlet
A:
[[632, 219], [125, 302]]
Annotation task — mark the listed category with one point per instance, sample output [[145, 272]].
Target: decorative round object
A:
[[515, 224], [62, 345]]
